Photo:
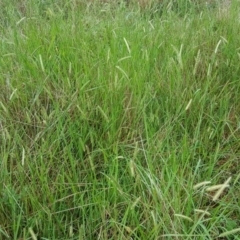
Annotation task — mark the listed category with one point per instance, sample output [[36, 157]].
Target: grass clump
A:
[[118, 122]]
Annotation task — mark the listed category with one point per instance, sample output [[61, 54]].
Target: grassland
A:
[[118, 121]]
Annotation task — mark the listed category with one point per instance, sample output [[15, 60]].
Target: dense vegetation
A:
[[119, 120]]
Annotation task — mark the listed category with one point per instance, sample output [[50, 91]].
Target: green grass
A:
[[111, 114]]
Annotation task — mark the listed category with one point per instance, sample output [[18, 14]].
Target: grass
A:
[[118, 122]]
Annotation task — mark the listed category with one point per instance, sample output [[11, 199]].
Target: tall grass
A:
[[110, 117]]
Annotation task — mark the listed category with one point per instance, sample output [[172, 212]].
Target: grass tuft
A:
[[119, 120]]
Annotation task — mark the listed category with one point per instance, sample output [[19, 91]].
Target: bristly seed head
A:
[[201, 184]]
